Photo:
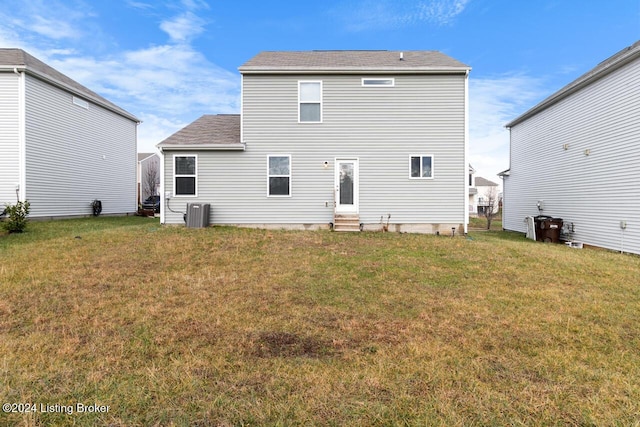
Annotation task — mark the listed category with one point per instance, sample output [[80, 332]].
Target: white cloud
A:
[[52, 20], [386, 14], [171, 81], [184, 27], [154, 129], [140, 5], [195, 4], [9, 37], [53, 28], [493, 102], [167, 86]]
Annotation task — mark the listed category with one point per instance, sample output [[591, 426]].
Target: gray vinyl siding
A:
[[9, 138], [381, 126], [75, 155], [594, 191]]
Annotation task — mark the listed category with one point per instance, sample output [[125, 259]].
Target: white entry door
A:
[[346, 182]]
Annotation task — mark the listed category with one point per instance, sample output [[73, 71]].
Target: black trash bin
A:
[[539, 224], [548, 229], [553, 227]]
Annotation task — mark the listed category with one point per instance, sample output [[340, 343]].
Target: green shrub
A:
[[16, 217]]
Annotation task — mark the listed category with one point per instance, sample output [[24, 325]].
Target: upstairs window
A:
[[185, 175], [421, 167], [378, 82], [279, 175], [310, 102]]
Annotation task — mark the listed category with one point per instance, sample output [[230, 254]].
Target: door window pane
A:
[[346, 183]]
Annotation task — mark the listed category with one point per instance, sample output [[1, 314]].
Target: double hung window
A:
[[310, 101], [185, 175], [279, 175]]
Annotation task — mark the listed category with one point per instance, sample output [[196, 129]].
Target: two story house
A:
[[62, 145], [344, 139], [575, 156]]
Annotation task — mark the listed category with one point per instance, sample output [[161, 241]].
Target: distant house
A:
[[62, 145], [485, 195], [473, 191], [148, 175], [576, 155], [344, 138]]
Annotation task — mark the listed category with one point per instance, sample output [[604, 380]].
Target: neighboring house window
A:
[[279, 175], [185, 175], [421, 166], [378, 82], [310, 100], [80, 102]]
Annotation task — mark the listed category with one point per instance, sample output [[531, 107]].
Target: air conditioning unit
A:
[[198, 215]]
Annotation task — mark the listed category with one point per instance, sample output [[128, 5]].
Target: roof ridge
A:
[[44, 71], [610, 64]]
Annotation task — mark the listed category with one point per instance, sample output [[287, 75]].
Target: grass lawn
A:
[[225, 326], [480, 223]]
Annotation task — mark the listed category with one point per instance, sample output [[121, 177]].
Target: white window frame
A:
[[279, 176], [432, 166], [300, 83], [80, 102], [176, 176], [391, 80]]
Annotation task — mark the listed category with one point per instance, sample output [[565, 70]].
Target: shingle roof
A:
[[483, 182], [353, 60], [143, 156], [207, 131], [602, 69], [17, 58]]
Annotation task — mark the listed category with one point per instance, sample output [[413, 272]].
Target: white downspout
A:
[[163, 197], [21, 185], [466, 152]]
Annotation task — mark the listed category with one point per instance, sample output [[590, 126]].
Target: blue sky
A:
[[170, 61]]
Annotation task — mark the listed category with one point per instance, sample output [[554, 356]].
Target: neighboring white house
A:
[[483, 194], [148, 175], [344, 138], [61, 145], [576, 156], [473, 191]]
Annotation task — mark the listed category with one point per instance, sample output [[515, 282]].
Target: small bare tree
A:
[[150, 180], [490, 205]]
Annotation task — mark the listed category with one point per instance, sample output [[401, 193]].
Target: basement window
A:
[[80, 103]]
